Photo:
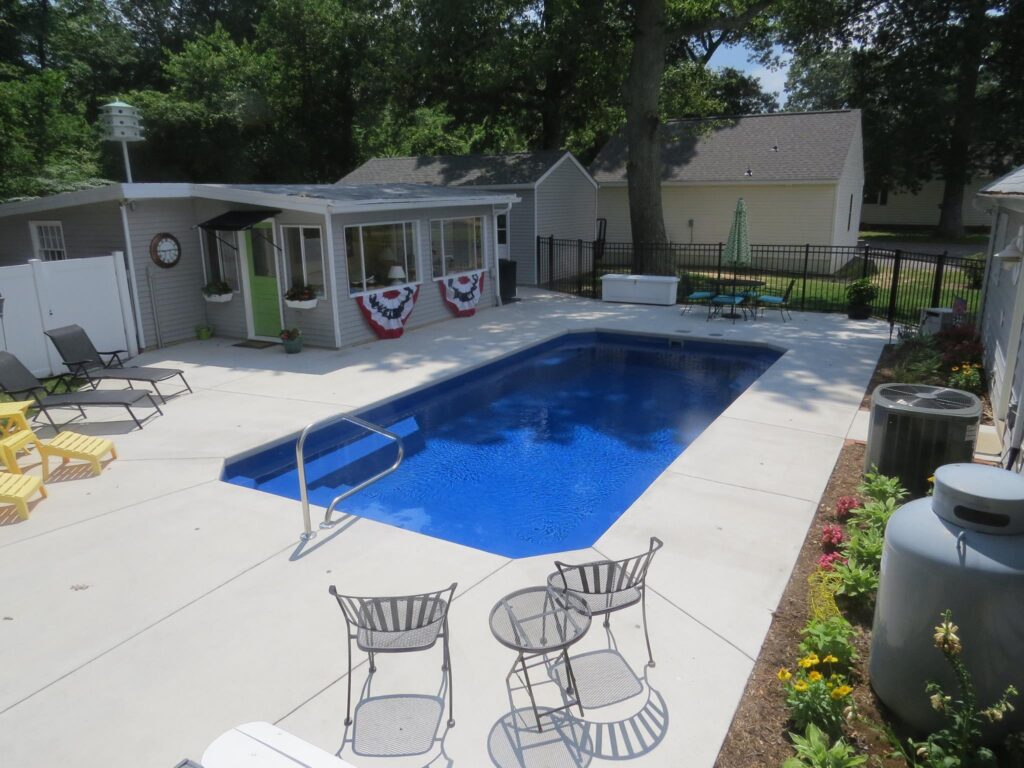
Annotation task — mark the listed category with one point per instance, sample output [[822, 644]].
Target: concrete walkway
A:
[[147, 610]]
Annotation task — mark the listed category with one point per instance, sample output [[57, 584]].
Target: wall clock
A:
[[165, 250]]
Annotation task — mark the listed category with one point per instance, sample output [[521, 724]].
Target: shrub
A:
[[860, 293], [830, 638], [815, 695], [959, 345], [290, 334], [958, 744], [864, 546], [880, 487], [300, 293], [857, 582], [814, 750], [831, 536]]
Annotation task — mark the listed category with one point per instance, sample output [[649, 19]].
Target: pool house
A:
[[344, 263]]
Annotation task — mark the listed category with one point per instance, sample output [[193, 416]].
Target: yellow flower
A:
[[784, 674], [946, 639], [810, 660], [931, 478], [800, 686], [841, 692], [956, 367], [830, 659], [814, 676]]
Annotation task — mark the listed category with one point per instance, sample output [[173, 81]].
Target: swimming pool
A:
[[536, 453]]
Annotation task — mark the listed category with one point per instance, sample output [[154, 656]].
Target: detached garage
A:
[[558, 196], [801, 175]]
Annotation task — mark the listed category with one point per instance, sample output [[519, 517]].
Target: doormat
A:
[[253, 344]]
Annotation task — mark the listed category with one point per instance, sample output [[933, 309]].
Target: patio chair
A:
[[403, 624], [17, 380], [780, 303], [66, 445], [85, 362], [607, 586], [695, 298], [17, 489]]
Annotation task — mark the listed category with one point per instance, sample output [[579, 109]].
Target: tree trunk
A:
[[957, 159], [643, 125]]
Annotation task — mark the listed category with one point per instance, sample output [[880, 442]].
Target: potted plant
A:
[[301, 297], [859, 295], [292, 338], [217, 292], [204, 332]]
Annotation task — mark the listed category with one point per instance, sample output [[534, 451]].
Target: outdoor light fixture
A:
[[396, 275], [1011, 253]]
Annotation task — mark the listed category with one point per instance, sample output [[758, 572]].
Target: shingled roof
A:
[[780, 146], [457, 170]]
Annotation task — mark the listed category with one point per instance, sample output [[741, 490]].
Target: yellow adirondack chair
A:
[[16, 490], [66, 445]]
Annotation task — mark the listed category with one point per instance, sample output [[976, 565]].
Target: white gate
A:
[[41, 295]]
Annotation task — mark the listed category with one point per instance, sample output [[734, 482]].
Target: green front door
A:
[[263, 290]]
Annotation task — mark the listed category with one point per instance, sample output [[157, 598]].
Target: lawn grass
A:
[[55, 385], [921, 236]]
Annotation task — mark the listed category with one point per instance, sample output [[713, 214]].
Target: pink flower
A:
[[831, 536], [828, 562], [843, 506]]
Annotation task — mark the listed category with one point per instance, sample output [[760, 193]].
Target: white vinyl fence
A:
[[41, 295]]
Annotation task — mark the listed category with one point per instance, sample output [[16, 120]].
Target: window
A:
[[221, 257], [874, 196], [381, 254], [456, 245], [304, 255], [48, 240], [502, 229]]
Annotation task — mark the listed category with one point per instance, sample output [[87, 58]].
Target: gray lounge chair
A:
[[17, 381], [85, 362]]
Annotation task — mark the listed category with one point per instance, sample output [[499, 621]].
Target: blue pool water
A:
[[536, 453]]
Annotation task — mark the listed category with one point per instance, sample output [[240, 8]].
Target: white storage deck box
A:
[[639, 289]]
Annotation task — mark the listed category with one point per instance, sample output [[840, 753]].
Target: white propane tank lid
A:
[[986, 499]]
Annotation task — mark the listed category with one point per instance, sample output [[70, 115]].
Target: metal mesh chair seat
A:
[[400, 624], [598, 602]]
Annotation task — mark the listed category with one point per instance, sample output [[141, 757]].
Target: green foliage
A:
[[815, 750], [216, 288], [874, 514], [864, 546], [860, 293], [815, 696], [881, 487], [830, 637], [857, 582], [967, 377], [958, 744]]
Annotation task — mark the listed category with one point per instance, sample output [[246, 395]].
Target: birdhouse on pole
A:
[[121, 122]]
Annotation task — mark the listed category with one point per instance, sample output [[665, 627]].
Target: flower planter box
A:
[[307, 304], [639, 289], [218, 298]]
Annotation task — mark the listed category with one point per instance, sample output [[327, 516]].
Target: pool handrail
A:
[[300, 461]]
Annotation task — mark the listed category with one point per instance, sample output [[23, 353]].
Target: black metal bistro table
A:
[[734, 283], [537, 621]]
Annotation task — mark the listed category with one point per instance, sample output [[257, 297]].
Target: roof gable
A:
[[781, 147], [458, 170]]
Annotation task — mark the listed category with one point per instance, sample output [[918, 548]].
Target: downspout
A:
[[329, 233], [129, 256]]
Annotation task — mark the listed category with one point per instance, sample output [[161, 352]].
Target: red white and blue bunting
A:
[[462, 293], [388, 310]]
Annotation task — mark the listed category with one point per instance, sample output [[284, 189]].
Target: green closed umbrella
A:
[[737, 247]]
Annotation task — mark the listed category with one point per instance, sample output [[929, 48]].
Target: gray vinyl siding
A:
[[89, 230], [567, 204], [429, 307], [317, 324], [168, 298], [1000, 323], [522, 244]]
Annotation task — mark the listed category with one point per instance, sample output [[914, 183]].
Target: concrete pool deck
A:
[[148, 610]]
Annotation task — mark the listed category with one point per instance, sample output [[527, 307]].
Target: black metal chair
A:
[[607, 586], [85, 362], [17, 381], [402, 624], [780, 303]]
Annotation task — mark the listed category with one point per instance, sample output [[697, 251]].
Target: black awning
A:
[[233, 221]]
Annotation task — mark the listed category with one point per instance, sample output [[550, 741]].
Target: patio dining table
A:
[[734, 283]]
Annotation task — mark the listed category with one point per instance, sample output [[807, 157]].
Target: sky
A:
[[738, 57]]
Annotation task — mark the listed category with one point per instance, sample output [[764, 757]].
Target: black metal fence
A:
[[815, 275]]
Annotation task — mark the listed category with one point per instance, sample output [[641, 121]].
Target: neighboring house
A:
[[801, 175], [1002, 325], [344, 240], [558, 196], [920, 209]]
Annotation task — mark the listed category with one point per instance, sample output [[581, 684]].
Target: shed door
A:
[[502, 235], [264, 294]]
